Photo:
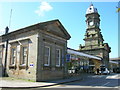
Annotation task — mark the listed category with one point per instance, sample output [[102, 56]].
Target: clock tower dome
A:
[[94, 42], [93, 35]]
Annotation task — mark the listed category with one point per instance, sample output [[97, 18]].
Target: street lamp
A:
[[6, 49]]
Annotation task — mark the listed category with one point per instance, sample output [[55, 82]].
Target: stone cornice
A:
[[37, 27]]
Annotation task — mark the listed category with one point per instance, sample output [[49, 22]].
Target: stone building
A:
[[115, 63], [36, 52], [94, 42]]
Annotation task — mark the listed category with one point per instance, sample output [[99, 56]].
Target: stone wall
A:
[[52, 71], [17, 70]]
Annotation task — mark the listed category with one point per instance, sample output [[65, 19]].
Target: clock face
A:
[[91, 23]]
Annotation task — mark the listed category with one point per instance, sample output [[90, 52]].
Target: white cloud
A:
[[44, 7]]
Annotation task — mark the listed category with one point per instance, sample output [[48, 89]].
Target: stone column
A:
[[40, 56]]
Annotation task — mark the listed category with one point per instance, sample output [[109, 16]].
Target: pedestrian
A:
[[97, 70]]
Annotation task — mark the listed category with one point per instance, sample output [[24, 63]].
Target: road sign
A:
[[31, 65], [68, 58]]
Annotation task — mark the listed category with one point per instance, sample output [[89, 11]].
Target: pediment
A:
[[54, 27], [57, 29]]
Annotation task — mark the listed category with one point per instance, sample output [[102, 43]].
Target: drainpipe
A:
[[6, 47]]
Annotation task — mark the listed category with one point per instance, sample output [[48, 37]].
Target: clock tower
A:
[[94, 42]]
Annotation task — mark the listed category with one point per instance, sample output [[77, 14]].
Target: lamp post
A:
[[6, 50]]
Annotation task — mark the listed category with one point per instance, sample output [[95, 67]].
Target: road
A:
[[94, 81], [104, 82]]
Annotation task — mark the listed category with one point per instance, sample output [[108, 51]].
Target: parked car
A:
[[104, 70]]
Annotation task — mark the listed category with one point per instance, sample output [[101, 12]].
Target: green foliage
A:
[[118, 10]]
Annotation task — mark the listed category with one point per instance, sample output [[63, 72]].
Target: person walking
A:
[[97, 70]]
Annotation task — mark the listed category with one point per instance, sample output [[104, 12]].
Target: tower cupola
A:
[[91, 9]]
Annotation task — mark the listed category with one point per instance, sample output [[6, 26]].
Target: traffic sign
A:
[[68, 58]]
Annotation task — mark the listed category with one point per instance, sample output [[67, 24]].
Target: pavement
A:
[[8, 82]]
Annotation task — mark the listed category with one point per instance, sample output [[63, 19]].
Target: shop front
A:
[[82, 63]]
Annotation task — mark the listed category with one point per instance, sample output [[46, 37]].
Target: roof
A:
[[118, 58], [91, 9], [40, 26], [72, 51], [113, 62]]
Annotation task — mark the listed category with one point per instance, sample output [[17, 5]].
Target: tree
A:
[[118, 8]]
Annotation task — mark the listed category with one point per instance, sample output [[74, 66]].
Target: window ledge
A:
[[46, 65], [23, 66], [12, 66], [58, 66]]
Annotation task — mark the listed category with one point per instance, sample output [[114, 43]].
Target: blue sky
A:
[[71, 15]]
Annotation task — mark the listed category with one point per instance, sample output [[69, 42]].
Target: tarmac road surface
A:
[[92, 82]]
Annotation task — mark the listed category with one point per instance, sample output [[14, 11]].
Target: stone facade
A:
[[115, 63], [36, 52], [94, 42]]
